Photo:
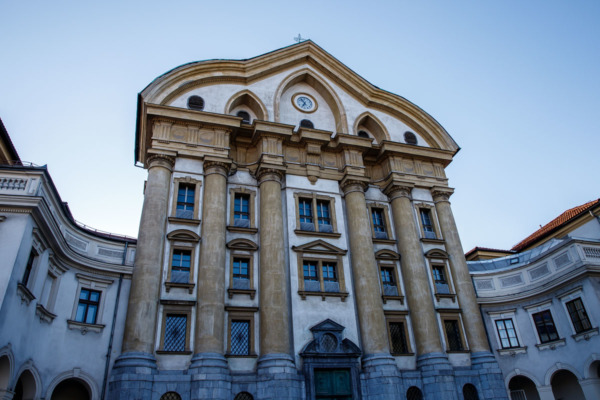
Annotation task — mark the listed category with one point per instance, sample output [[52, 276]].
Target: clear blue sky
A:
[[516, 83]]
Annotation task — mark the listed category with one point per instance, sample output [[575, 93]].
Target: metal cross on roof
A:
[[299, 38]]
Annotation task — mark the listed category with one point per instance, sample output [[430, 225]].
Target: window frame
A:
[[90, 283], [385, 214], [251, 210], [392, 317], [439, 259], [453, 315], [573, 295], [314, 200], [47, 301], [396, 276], [504, 315], [430, 209], [245, 314], [181, 239], [174, 307], [177, 182], [242, 249]]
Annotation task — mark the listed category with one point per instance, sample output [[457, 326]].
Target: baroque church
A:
[[296, 242]]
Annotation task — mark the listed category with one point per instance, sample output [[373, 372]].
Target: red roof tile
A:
[[555, 224]]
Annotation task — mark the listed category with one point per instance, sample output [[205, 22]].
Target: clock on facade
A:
[[304, 102]]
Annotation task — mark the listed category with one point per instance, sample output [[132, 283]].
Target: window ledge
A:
[[341, 295], [384, 241], [399, 298], [85, 328], [174, 353], [44, 314], [450, 296], [458, 351], [239, 229], [250, 292], [314, 233], [585, 335], [175, 220], [551, 345], [512, 351], [229, 355], [402, 354], [188, 286], [434, 241], [24, 293]]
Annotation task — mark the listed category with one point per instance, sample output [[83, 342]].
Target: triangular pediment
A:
[[319, 246], [327, 325]]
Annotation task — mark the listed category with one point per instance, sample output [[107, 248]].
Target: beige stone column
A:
[[460, 272], [145, 283], [365, 271], [273, 296], [210, 311], [414, 271]]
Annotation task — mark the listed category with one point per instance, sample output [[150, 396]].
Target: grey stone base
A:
[[278, 378], [380, 378], [211, 378]]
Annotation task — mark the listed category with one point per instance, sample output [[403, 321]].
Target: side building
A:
[[539, 302], [296, 241]]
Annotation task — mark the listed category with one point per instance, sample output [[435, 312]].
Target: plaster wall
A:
[[13, 235]]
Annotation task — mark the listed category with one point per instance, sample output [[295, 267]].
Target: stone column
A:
[[145, 283], [414, 272], [365, 272], [210, 310], [460, 272]]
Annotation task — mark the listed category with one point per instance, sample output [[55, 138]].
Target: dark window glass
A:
[[387, 276], [545, 326], [578, 315], [427, 224], [507, 333], [175, 332], [410, 138], [323, 213], [240, 338], [180, 266], [363, 134], [306, 215], [414, 393], [310, 271], [470, 392], [306, 123], [240, 268], [87, 308], [244, 116], [196, 103], [440, 280], [243, 396], [378, 222], [185, 200], [241, 206], [329, 272], [28, 268], [170, 396], [453, 335], [398, 338]]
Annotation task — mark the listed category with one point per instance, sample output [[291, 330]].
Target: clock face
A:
[[305, 103]]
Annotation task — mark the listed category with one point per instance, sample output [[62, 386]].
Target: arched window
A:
[[306, 123], [170, 396], [244, 116], [414, 393], [470, 392], [243, 396], [195, 103], [410, 138], [363, 134]]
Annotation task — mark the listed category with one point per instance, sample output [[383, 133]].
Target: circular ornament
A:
[[304, 102]]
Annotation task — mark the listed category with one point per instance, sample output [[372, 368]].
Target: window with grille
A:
[[427, 223], [196, 103], [175, 332], [185, 201], [378, 223], [507, 333], [240, 337], [241, 210], [453, 335], [470, 392], [398, 340], [545, 326], [414, 393], [87, 308], [439, 279], [241, 273], [243, 396], [579, 317], [170, 396], [180, 266]]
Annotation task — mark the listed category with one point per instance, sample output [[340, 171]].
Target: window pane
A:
[[84, 294], [398, 338], [240, 337], [175, 332], [453, 335], [94, 296], [91, 314], [79, 317], [545, 326]]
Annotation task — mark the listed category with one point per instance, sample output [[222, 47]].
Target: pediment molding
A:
[[183, 235], [242, 244], [319, 247]]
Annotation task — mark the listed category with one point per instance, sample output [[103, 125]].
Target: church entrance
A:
[[333, 384]]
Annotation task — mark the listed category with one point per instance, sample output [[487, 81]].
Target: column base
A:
[[278, 378], [380, 378], [211, 378], [132, 376], [490, 375], [437, 376]]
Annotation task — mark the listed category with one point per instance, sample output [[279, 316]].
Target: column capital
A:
[[270, 173], [396, 190], [441, 194], [160, 160], [216, 166], [351, 184]]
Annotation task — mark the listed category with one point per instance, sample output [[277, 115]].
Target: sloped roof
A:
[[557, 223], [12, 154]]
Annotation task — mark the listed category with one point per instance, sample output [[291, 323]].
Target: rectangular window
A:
[[241, 273], [398, 341], [427, 223], [185, 201], [315, 215], [241, 210], [324, 216], [240, 337], [507, 333], [306, 216], [175, 333], [545, 326], [327, 278], [311, 277], [388, 279], [453, 335], [579, 317], [87, 308], [439, 279], [29, 267], [377, 217], [180, 266]]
